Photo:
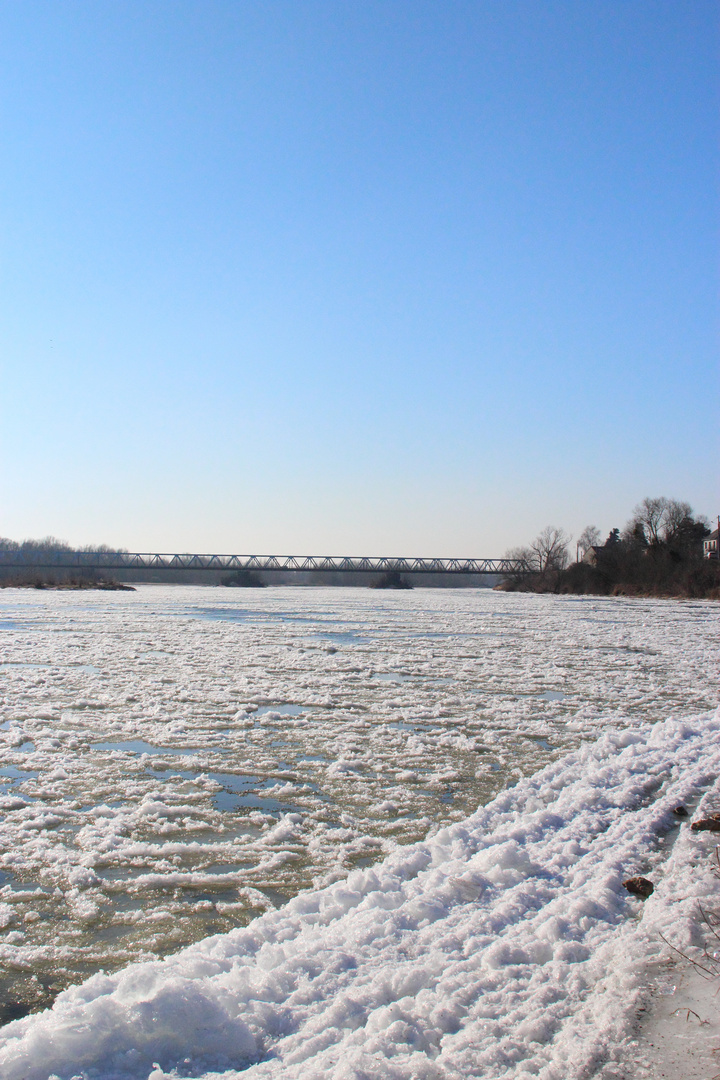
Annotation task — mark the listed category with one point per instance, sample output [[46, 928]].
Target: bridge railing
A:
[[126, 560]]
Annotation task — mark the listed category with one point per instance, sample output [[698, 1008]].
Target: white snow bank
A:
[[504, 946], [677, 1038]]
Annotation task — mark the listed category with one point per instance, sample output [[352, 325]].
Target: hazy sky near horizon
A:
[[390, 277]]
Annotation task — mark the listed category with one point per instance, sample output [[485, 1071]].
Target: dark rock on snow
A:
[[639, 886], [708, 824]]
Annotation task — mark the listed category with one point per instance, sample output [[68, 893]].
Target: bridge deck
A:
[[126, 560]]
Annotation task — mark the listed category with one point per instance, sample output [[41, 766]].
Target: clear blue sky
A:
[[395, 276]]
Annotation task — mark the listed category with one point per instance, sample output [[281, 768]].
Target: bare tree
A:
[[590, 537], [550, 549], [647, 520], [677, 514], [658, 520], [520, 555]]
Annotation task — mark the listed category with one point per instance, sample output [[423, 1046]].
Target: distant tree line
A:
[[49, 546], [34, 557], [658, 553]]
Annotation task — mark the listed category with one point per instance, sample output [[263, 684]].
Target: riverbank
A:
[[637, 592], [32, 581], [579, 579]]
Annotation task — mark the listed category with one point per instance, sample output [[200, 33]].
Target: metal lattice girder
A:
[[125, 560]]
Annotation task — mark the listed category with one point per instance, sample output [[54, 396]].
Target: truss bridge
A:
[[47, 559]]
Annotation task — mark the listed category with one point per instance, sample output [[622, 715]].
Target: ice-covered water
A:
[[504, 947], [175, 760]]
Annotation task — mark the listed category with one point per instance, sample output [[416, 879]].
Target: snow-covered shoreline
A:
[[503, 946]]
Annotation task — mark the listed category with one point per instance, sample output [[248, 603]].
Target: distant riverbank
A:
[[700, 581], [664, 551], [32, 581]]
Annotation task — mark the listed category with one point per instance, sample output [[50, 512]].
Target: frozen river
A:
[[176, 760]]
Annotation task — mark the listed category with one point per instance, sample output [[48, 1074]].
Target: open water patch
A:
[[9, 664], [139, 746], [220, 614], [15, 775], [279, 710], [339, 637], [541, 742], [414, 726], [545, 695]]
